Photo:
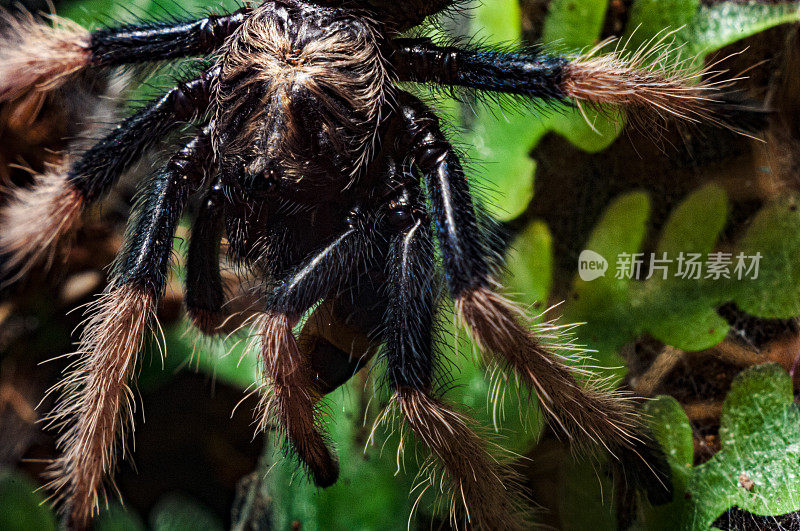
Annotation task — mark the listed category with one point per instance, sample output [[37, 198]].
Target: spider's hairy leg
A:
[[204, 292], [498, 326], [290, 400], [35, 218], [96, 402], [37, 57], [639, 81], [480, 495]]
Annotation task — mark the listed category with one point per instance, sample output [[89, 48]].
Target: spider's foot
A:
[[290, 403], [585, 415], [96, 401], [483, 493], [36, 57], [35, 218]]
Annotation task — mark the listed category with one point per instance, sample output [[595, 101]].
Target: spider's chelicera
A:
[[331, 184]]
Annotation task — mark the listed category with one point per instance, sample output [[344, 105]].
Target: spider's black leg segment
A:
[[480, 497], [157, 42], [291, 400], [204, 292], [96, 402], [535, 76], [615, 79], [34, 218], [98, 169], [497, 324]]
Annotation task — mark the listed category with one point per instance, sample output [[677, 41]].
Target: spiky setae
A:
[[311, 161], [96, 402], [39, 57], [585, 414]]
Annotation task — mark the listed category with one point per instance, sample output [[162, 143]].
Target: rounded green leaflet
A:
[[22, 507]]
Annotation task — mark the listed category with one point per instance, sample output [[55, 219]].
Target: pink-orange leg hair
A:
[[96, 402], [35, 218], [39, 56]]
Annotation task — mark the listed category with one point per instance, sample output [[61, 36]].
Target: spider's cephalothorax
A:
[[333, 186], [300, 94]]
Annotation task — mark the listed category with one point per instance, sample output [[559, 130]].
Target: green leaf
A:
[[176, 512], [679, 311], [723, 23], [760, 437], [582, 490], [574, 24], [530, 265], [502, 141], [671, 429], [603, 304], [117, 518], [21, 507], [774, 235], [372, 493], [649, 18], [700, 29], [682, 312]]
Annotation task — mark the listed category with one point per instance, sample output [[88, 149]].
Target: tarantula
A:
[[332, 185]]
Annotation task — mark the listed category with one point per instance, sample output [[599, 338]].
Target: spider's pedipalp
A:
[[35, 218], [96, 401], [204, 295], [290, 401]]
